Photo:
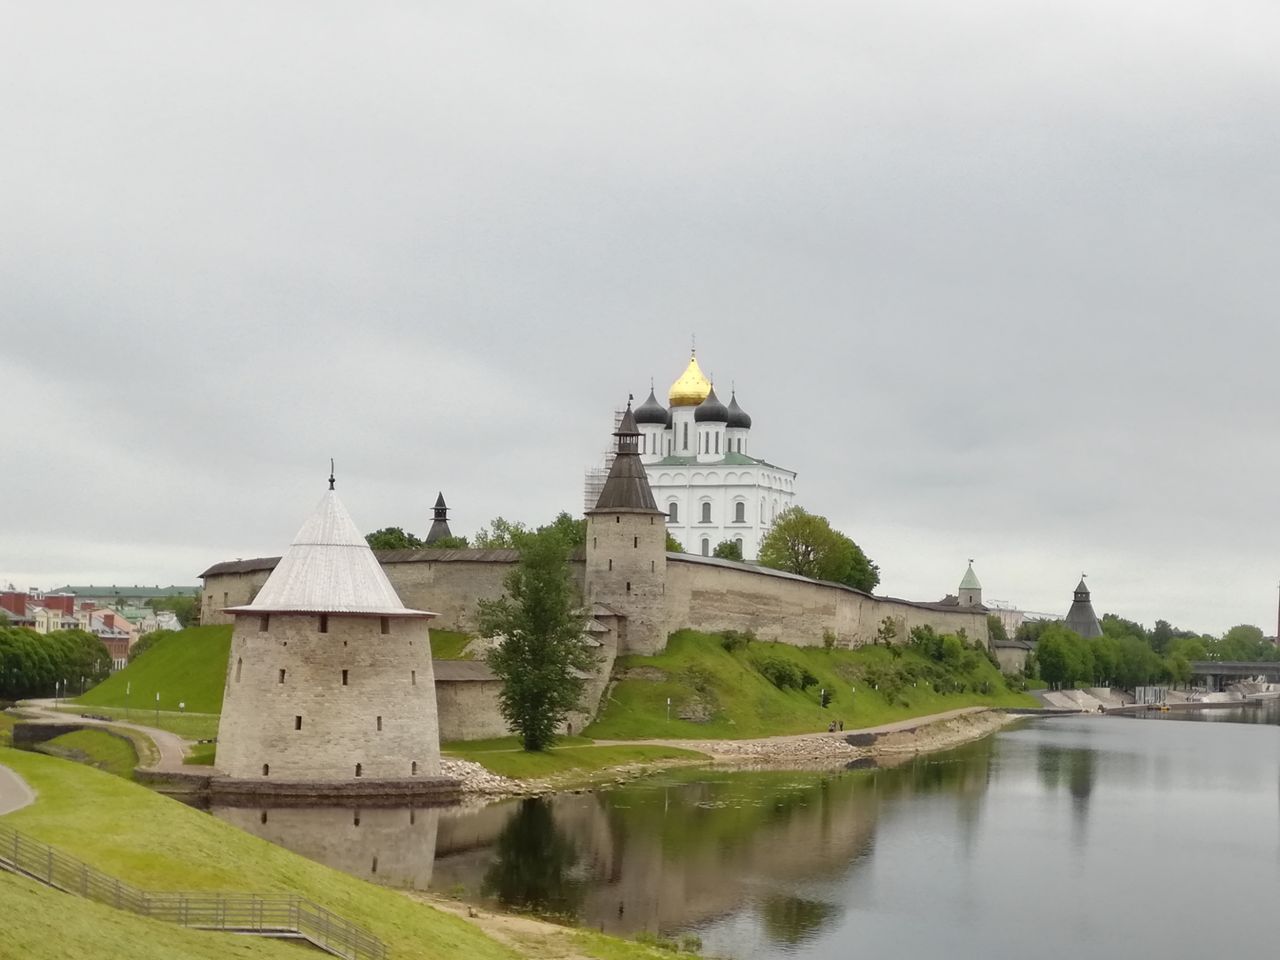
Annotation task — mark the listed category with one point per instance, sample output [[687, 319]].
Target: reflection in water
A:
[[1027, 843], [533, 861]]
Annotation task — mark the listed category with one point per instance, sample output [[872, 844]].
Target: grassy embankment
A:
[[730, 697], [98, 748], [157, 843]]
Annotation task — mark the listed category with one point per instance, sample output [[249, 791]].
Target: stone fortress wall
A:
[[700, 592]]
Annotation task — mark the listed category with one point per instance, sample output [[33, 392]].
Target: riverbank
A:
[[882, 745]]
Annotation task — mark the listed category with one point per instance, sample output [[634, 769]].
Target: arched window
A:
[[739, 543], [706, 512], [706, 547], [686, 437], [717, 443], [673, 512], [740, 512]]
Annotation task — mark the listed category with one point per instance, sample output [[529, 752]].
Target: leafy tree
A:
[[448, 543], [887, 631], [540, 622], [728, 550], [996, 630], [673, 545], [500, 535], [392, 538], [572, 531], [31, 663], [804, 543]]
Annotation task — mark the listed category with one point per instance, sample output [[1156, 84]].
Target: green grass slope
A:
[[448, 644], [97, 748], [731, 698], [42, 922], [189, 667]]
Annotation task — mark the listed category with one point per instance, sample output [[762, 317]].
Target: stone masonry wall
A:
[[382, 718], [229, 590], [468, 710]]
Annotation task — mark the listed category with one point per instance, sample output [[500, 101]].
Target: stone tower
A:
[[970, 589], [1081, 617], [439, 521], [330, 676], [627, 548]]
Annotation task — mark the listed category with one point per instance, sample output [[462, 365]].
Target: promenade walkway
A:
[[170, 748], [14, 791]]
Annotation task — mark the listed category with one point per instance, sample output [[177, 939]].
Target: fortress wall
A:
[[722, 597], [389, 676], [468, 710], [229, 590]]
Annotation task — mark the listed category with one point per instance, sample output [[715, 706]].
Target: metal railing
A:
[[274, 916]]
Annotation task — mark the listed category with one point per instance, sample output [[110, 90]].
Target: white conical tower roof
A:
[[329, 569]]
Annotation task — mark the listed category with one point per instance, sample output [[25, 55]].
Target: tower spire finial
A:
[[693, 344], [331, 478]]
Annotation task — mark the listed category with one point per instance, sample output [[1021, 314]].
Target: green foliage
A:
[[732, 640], [392, 538], [784, 674], [728, 550], [673, 545], [573, 532], [189, 667], [804, 543], [32, 663], [829, 639], [501, 535], [148, 641], [450, 542], [996, 630], [887, 631], [1243, 642], [186, 609], [541, 621], [735, 700]]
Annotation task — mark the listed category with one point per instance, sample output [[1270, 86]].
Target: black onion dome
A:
[[737, 416], [651, 411], [711, 410]]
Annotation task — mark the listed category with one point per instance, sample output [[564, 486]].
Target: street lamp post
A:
[[157, 708]]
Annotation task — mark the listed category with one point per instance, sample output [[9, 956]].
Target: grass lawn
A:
[[736, 701], [191, 726], [6, 728], [202, 754], [571, 755], [98, 748], [447, 645], [189, 667]]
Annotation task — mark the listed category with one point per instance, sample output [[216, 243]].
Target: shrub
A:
[[732, 640], [782, 673], [829, 638]]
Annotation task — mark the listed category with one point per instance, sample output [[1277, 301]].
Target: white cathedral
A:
[[697, 454]]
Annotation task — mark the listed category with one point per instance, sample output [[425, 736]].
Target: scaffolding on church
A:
[[593, 482]]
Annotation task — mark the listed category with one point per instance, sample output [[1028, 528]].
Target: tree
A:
[[448, 543], [887, 631], [728, 550], [540, 623], [673, 545], [572, 532], [185, 608], [501, 535], [995, 629], [392, 538], [805, 544]]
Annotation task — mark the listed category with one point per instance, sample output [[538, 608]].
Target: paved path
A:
[[170, 747], [898, 725], [14, 792]]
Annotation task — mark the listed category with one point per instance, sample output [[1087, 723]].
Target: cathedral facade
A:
[[697, 454]]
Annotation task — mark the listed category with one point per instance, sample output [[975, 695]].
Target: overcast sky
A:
[[998, 280]]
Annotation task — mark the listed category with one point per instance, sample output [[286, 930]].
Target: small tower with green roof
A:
[[970, 588]]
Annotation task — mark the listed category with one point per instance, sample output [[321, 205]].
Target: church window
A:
[[386, 625], [706, 513], [717, 443], [263, 623], [239, 664], [706, 547], [280, 679], [344, 678], [324, 623], [686, 446], [739, 543], [297, 723], [644, 440], [673, 512], [740, 512]]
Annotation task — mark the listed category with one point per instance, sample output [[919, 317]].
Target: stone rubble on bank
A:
[[476, 779]]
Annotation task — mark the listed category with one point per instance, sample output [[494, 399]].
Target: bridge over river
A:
[[1216, 671]]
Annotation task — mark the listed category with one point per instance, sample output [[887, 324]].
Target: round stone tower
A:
[[330, 676], [627, 548]]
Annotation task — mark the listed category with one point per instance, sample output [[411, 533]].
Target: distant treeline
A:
[[32, 663], [1128, 655]]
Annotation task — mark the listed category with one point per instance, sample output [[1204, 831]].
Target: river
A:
[[1066, 837]]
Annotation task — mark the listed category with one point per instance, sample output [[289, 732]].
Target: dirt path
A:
[[14, 792], [170, 747]]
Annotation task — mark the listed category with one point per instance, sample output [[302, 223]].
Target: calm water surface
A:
[[1090, 837]]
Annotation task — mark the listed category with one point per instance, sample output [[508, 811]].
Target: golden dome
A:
[[692, 387]]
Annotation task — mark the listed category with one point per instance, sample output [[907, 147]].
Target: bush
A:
[[733, 640], [783, 674], [148, 641], [829, 638]]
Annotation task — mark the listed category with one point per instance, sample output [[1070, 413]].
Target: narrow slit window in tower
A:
[[239, 665], [610, 563], [413, 678], [297, 723], [355, 816], [379, 724], [651, 570], [266, 769], [264, 816], [628, 586], [375, 865], [635, 542], [280, 679], [324, 623], [344, 678], [359, 770], [263, 623], [413, 769], [386, 625]]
